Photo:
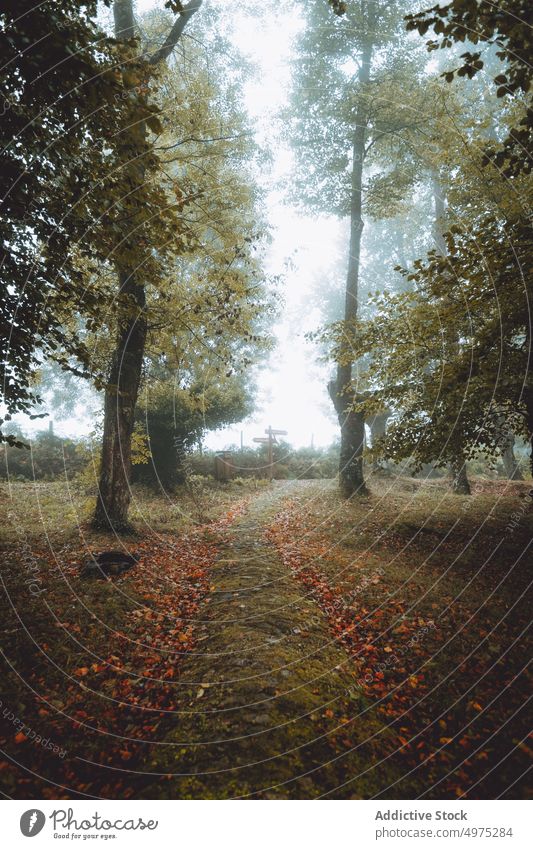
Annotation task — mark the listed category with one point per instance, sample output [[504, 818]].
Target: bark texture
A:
[[461, 484], [352, 425], [114, 493], [512, 469]]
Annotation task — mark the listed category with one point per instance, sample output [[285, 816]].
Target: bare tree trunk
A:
[[342, 393], [122, 390]]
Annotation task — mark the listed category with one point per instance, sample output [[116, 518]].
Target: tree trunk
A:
[[121, 394], [461, 485], [512, 469], [352, 423], [114, 493], [378, 426]]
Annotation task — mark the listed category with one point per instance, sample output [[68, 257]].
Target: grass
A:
[[72, 648], [428, 593], [61, 511], [423, 593]]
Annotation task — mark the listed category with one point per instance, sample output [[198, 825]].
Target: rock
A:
[[108, 563]]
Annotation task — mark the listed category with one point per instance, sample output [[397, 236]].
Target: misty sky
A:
[[292, 387]]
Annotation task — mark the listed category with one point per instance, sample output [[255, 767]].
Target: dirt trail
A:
[[262, 706]]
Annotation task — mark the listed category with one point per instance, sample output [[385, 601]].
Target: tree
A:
[[202, 312], [176, 417], [207, 324], [461, 485], [139, 256], [454, 352], [349, 103], [507, 25], [62, 103]]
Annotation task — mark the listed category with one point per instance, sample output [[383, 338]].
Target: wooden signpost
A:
[[270, 440]]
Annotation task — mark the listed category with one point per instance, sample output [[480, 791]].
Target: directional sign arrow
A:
[[261, 439], [277, 432]]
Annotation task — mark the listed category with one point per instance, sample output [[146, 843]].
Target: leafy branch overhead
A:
[[506, 26]]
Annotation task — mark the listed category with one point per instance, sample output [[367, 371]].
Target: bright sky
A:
[[292, 388]]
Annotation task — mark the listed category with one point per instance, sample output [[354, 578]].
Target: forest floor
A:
[[271, 643]]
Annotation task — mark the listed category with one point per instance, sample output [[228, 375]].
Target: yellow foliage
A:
[[140, 446]]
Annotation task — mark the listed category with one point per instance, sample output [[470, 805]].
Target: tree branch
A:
[[175, 33], [203, 141]]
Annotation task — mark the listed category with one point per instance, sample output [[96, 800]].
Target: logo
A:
[[32, 822]]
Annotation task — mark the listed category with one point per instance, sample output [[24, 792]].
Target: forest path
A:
[[262, 702]]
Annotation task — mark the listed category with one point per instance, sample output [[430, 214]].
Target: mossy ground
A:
[[249, 654]]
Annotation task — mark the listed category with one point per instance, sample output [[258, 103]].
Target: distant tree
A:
[[176, 418], [461, 376], [46, 457]]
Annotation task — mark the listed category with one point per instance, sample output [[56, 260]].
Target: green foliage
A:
[[451, 356], [207, 321], [68, 167], [175, 418], [214, 305], [47, 457], [327, 93], [507, 25]]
